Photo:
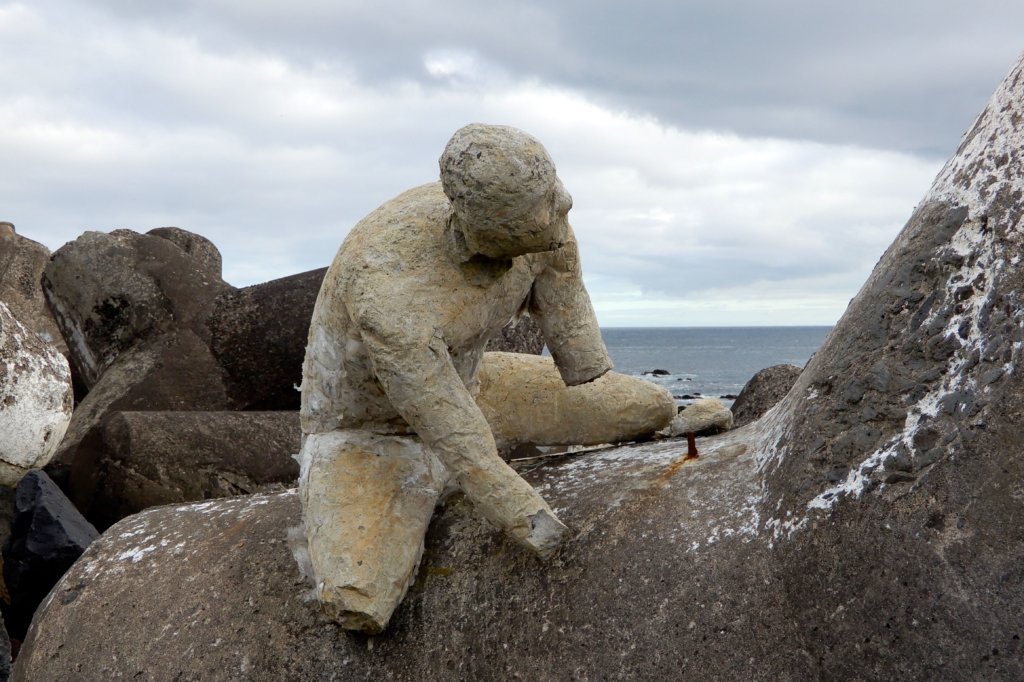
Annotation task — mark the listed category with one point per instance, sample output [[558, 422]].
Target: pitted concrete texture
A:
[[35, 399]]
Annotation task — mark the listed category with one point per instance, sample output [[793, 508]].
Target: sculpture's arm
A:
[[421, 382], [562, 308]]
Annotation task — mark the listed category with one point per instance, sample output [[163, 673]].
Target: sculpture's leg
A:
[[367, 500], [525, 401]]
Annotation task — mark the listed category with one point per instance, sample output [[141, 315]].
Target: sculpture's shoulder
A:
[[400, 227], [395, 233], [392, 253]]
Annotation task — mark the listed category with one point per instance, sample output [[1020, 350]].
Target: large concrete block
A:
[[109, 291], [135, 460], [764, 390], [171, 371], [258, 336]]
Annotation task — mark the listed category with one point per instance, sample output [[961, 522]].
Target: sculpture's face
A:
[[545, 227], [506, 197]]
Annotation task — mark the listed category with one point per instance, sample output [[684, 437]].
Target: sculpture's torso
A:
[[400, 265]]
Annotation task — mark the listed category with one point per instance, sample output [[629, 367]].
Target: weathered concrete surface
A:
[[892, 468], [663, 577], [682, 542], [133, 308], [172, 371], [259, 338], [764, 390], [136, 460], [195, 245], [525, 400], [21, 269], [108, 291], [35, 398]]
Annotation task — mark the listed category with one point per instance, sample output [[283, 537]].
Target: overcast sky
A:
[[732, 162]]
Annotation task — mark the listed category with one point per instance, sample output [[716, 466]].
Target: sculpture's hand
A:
[[561, 306]]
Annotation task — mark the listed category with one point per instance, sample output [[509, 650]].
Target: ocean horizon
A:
[[708, 361]]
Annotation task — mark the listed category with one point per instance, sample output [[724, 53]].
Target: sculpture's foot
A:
[[546, 534], [353, 611]]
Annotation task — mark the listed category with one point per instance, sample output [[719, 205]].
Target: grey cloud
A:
[[907, 76], [272, 127]]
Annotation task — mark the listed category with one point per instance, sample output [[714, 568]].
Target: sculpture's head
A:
[[507, 199]]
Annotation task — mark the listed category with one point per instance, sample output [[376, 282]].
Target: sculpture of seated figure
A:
[[393, 365]]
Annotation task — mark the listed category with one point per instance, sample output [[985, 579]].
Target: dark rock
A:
[[764, 390], [197, 246], [5, 653], [110, 291], [47, 536], [134, 308], [521, 336], [174, 371], [657, 373], [7, 511], [258, 336], [838, 474], [21, 269], [136, 460], [912, 599]]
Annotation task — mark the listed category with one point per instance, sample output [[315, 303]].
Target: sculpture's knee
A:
[[525, 401], [636, 407]]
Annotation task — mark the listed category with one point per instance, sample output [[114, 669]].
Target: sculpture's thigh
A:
[[367, 500], [525, 401]]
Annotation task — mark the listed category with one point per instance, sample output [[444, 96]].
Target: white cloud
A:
[[452, 64]]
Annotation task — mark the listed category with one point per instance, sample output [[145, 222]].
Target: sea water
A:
[[708, 361]]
